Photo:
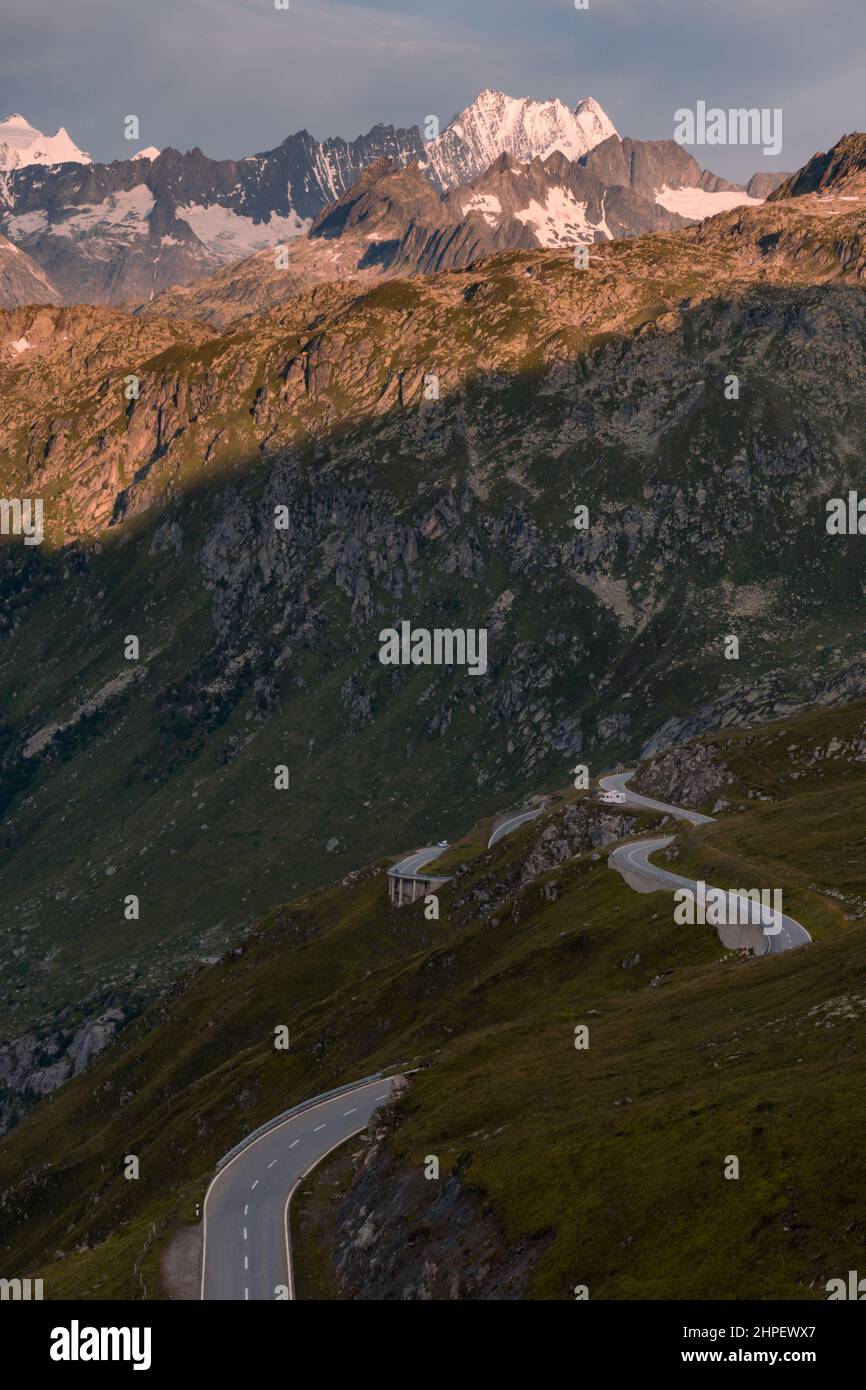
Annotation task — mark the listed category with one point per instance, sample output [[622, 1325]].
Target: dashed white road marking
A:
[[350, 1112], [294, 1142], [245, 1233], [246, 1209], [384, 1097], [246, 1293], [272, 1162], [246, 1261], [318, 1127], [255, 1185]]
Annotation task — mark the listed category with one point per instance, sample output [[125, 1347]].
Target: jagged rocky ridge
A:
[[840, 172], [126, 231]]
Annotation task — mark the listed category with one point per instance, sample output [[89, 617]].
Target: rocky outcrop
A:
[[762, 184], [581, 827], [22, 282], [647, 166], [402, 1236], [839, 172], [692, 777], [37, 1063]]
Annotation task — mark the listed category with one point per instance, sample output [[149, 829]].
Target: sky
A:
[[237, 76]]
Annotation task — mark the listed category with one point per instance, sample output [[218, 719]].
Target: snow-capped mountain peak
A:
[[497, 124], [594, 121], [22, 144]]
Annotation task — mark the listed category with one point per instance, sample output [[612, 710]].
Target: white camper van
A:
[[612, 798]]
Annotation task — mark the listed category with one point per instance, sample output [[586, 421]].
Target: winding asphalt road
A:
[[616, 782], [412, 865], [246, 1253], [632, 861], [510, 823]]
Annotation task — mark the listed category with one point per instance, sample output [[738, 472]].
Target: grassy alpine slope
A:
[[258, 647], [602, 1167]]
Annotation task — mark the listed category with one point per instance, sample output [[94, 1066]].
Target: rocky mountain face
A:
[[840, 173], [496, 124], [537, 173], [687, 775], [124, 231], [38, 1062], [21, 280], [464, 1253], [647, 166], [763, 184], [107, 233], [393, 222], [254, 505]]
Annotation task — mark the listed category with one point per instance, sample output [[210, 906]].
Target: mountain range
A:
[[555, 386], [124, 232]]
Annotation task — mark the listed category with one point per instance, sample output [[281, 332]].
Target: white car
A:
[[613, 798], [441, 844]]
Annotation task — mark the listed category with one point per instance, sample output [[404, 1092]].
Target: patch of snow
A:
[[21, 345], [487, 204], [121, 213], [602, 226], [561, 221], [228, 235], [26, 224], [694, 202]]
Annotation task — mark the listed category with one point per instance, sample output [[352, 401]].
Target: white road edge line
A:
[[499, 832], [290, 1278], [289, 1119]]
